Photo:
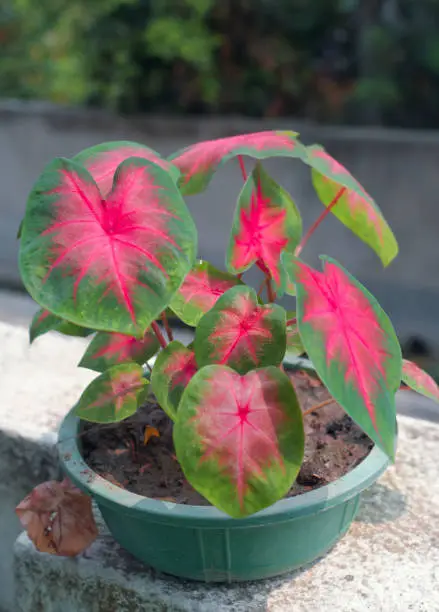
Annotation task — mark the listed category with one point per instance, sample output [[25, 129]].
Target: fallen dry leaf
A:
[[58, 518], [150, 432]]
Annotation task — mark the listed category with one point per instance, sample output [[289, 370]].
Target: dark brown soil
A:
[[334, 445]]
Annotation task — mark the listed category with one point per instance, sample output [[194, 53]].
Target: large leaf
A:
[[58, 518], [198, 162], [111, 264], [419, 381], [173, 369], [240, 333], [109, 349], [354, 208], [44, 321], [239, 439], [200, 290], [102, 161], [266, 223], [114, 395], [352, 345]]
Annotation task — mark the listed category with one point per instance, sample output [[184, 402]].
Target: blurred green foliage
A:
[[375, 61]]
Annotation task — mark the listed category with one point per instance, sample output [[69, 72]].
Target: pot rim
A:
[[311, 502]]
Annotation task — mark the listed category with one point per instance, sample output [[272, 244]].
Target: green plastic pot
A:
[[202, 543]]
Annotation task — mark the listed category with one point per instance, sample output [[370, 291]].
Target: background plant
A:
[[373, 61]]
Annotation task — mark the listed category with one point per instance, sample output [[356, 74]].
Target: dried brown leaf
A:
[[58, 518]]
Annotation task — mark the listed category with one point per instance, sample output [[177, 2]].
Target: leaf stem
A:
[[167, 326], [271, 294], [159, 335], [316, 223], [242, 166], [261, 288], [318, 406]]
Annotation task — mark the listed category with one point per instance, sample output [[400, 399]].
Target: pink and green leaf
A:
[[200, 290], [198, 163], [173, 369], [110, 349], [114, 395], [113, 264], [44, 321], [102, 161], [266, 223], [355, 208], [418, 380], [241, 333], [352, 344], [240, 439]]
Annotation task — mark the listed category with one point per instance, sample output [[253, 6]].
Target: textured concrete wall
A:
[[399, 168]]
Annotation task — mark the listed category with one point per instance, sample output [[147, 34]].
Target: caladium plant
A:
[[108, 247]]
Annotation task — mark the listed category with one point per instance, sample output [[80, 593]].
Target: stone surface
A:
[[388, 561], [39, 384]]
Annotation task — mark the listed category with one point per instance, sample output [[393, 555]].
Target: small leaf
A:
[[102, 160], [173, 369], [240, 333], [111, 264], [355, 208], [109, 349], [266, 223], [240, 439], [45, 321], [199, 162], [150, 432], [199, 292], [114, 395], [419, 381], [58, 518], [352, 344]]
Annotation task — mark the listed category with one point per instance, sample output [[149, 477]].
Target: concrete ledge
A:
[[38, 386], [388, 562]]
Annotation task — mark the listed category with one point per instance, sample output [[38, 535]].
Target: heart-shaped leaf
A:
[[45, 321], [240, 333], [58, 518], [266, 223], [351, 343], [199, 162], [102, 161], [112, 264], [173, 369], [200, 290], [239, 439], [110, 349], [419, 381], [354, 208], [114, 395]]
